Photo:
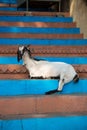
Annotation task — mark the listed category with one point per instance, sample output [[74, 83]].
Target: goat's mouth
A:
[[19, 56]]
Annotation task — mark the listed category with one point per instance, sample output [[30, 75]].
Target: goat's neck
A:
[[27, 60]]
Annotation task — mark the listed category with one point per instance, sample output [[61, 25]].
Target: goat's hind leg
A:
[[59, 89], [61, 84]]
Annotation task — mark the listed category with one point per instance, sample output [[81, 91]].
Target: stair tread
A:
[[35, 19], [41, 30], [8, 9], [53, 122], [27, 41], [69, 60]]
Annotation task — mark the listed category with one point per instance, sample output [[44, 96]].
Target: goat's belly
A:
[[44, 72], [53, 70]]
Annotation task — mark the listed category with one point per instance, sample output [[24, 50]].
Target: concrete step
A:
[[42, 50], [39, 24], [51, 123], [42, 106], [39, 30], [35, 19], [30, 13], [55, 42], [39, 36]]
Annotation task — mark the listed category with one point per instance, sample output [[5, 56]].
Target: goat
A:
[[46, 69]]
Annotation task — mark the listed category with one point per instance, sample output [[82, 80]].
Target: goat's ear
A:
[[32, 50], [28, 46]]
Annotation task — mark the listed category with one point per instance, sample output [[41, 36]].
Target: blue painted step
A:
[[39, 30], [69, 60], [27, 41], [8, 1], [11, 9], [52, 123], [35, 19], [8, 9], [39, 87]]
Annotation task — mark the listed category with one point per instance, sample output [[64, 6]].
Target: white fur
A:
[[47, 69]]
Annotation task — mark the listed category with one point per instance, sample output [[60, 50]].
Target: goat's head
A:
[[21, 51]]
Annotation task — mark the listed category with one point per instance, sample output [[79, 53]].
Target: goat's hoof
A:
[[47, 93], [51, 92], [59, 90]]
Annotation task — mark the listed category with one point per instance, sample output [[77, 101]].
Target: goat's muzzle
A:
[[19, 55]]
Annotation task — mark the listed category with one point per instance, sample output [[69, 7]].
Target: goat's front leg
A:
[[59, 89]]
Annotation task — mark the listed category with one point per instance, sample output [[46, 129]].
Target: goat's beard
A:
[[19, 56]]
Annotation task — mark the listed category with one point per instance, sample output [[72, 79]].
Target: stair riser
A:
[[6, 5], [19, 76], [51, 51], [20, 72], [45, 105], [23, 13], [43, 36], [38, 24]]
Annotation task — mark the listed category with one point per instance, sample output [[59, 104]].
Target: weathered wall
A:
[[78, 9]]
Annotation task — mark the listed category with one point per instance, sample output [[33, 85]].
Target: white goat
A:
[[45, 69]]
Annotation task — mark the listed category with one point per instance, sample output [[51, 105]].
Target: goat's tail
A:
[[76, 78]]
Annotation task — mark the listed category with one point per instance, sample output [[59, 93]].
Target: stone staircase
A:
[[23, 105]]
